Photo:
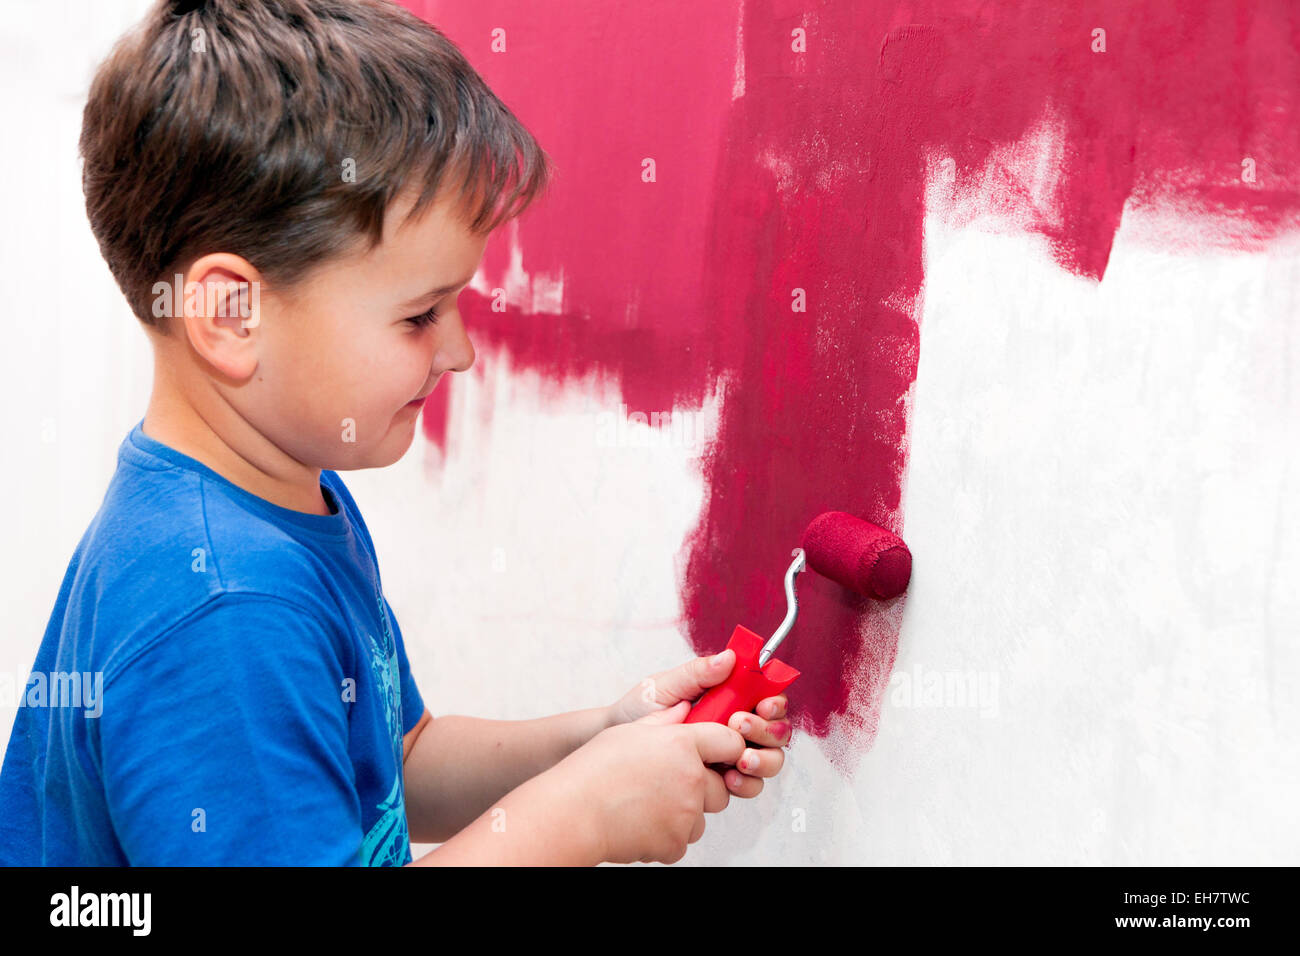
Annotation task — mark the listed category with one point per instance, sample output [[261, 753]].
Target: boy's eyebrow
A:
[[441, 290]]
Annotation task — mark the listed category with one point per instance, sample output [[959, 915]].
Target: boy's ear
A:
[[222, 305], [224, 287]]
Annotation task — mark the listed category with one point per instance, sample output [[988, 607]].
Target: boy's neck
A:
[[220, 438]]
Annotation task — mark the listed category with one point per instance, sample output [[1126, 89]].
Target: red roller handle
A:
[[746, 685]]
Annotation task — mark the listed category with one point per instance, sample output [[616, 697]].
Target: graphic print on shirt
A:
[[387, 843]]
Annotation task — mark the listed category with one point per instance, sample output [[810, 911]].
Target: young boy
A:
[[291, 195]]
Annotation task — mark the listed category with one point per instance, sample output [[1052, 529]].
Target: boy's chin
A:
[[395, 445]]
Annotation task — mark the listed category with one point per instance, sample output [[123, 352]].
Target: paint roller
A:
[[854, 553]]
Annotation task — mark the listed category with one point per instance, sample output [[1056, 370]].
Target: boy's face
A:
[[341, 367]]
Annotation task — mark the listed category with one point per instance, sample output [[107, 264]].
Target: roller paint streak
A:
[[814, 178]]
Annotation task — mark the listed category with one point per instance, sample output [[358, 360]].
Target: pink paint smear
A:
[[779, 170]]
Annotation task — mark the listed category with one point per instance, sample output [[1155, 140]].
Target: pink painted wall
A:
[[778, 170]]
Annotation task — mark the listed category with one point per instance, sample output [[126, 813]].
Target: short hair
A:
[[228, 126]]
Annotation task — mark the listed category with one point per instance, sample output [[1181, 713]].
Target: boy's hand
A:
[[688, 681]]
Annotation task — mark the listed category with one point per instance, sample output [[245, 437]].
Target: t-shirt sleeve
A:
[[225, 742], [412, 702]]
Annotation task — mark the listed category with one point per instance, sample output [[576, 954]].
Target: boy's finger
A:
[[765, 762], [716, 793], [716, 743], [765, 733], [743, 785], [668, 715], [705, 671], [771, 707]]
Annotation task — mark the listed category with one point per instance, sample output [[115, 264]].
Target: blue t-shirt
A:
[[222, 682]]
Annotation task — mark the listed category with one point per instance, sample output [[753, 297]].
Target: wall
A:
[[1046, 338]]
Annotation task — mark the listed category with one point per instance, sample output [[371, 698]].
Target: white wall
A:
[[75, 369]]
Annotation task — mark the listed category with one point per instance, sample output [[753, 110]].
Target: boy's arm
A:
[[457, 768], [539, 823]]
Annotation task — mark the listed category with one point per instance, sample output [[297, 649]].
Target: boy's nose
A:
[[464, 354], [456, 351]]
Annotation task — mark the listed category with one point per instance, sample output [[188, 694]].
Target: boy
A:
[[291, 194]]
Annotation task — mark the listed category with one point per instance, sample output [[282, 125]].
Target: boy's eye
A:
[[425, 318]]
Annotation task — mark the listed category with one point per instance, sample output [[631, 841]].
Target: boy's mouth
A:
[[420, 400]]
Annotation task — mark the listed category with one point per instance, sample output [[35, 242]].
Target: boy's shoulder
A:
[[172, 537], [164, 505]]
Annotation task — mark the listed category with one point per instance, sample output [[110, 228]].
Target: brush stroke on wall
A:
[[779, 169]]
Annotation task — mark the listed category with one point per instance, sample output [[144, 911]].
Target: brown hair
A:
[[226, 125]]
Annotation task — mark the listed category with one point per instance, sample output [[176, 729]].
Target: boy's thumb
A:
[[669, 715]]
